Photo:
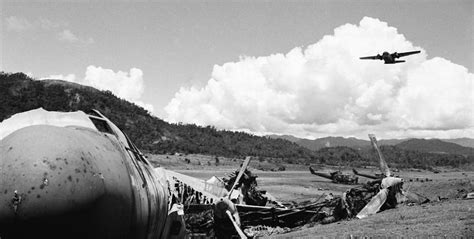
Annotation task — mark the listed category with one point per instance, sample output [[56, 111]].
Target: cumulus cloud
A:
[[70, 77], [30, 74], [127, 85], [17, 24], [21, 24], [325, 89], [68, 36], [48, 24]]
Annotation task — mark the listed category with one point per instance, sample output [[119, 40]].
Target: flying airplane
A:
[[390, 58], [77, 175]]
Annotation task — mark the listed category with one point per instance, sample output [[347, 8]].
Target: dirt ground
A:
[[445, 216]]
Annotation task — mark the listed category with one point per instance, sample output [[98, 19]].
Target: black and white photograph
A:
[[240, 119]]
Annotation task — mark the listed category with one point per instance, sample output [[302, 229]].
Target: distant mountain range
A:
[[463, 146], [333, 142], [435, 146], [466, 142]]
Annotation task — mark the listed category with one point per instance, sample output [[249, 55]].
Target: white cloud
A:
[[68, 36], [21, 24], [70, 78], [326, 90], [30, 74], [48, 24], [127, 85], [18, 24]]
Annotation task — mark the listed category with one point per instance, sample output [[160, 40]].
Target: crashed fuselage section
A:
[[76, 175]]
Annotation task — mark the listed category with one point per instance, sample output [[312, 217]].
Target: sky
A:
[[265, 67]]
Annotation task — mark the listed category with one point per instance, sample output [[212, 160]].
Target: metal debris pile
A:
[[261, 220], [248, 187], [262, 231], [199, 219], [261, 215]]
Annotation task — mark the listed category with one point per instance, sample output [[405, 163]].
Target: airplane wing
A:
[[377, 57], [211, 191], [402, 54], [374, 205], [208, 189]]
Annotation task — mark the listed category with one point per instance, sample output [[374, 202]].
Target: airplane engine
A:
[[74, 182]]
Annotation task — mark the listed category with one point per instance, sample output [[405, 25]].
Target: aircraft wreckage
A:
[[77, 175], [359, 202], [336, 176]]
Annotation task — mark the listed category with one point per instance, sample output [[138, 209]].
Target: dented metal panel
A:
[[78, 182]]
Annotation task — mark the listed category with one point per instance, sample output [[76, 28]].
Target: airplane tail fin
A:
[[383, 164], [241, 172]]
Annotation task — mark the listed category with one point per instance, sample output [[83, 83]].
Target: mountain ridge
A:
[[435, 146], [331, 141]]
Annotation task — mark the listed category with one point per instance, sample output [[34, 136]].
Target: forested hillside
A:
[[435, 146], [462, 146], [395, 157], [402, 158], [320, 143], [20, 93]]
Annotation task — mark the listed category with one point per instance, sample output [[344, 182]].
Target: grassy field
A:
[[450, 218], [444, 216]]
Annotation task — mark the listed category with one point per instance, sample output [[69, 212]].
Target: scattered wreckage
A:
[[359, 202], [87, 160], [261, 216]]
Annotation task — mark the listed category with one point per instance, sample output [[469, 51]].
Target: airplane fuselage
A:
[[74, 182], [390, 59]]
